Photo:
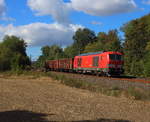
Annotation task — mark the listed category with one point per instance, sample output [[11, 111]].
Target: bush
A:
[[147, 65]]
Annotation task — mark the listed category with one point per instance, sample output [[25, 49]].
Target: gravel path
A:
[[24, 99]]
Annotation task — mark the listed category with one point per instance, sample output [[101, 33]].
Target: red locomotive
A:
[[101, 63]]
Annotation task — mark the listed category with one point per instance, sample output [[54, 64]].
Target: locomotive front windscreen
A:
[[115, 57]]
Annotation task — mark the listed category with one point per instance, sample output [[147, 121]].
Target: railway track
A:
[[134, 80], [122, 82], [126, 78]]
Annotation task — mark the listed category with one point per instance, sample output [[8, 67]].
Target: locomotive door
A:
[[96, 61]]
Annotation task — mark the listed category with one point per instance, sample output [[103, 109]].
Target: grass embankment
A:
[[131, 92]]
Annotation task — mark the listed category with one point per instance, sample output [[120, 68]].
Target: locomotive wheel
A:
[[103, 74], [98, 74], [108, 75]]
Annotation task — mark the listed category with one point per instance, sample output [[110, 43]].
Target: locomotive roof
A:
[[93, 53]]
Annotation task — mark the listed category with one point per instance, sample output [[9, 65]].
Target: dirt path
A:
[[25, 99]]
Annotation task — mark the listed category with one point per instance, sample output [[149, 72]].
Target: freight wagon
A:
[[51, 65], [59, 65], [66, 64]]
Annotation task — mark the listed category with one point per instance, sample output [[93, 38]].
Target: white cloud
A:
[[39, 34], [61, 32], [5, 18], [104, 7], [96, 23], [146, 2], [56, 8], [3, 15], [2, 7], [60, 10]]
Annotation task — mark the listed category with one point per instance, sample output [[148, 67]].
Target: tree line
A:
[[135, 46]]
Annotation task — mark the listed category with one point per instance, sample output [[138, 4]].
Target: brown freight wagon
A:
[[52, 65], [56, 64], [66, 64], [60, 65]]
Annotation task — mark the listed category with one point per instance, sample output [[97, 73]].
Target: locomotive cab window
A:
[[115, 57], [96, 61]]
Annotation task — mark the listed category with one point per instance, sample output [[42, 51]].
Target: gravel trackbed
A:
[[27, 99]]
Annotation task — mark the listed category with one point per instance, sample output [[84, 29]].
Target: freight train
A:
[[99, 63]]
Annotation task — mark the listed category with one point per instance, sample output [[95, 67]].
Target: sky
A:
[[48, 22]]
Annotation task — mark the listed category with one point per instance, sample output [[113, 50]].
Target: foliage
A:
[[147, 66], [13, 54], [70, 51], [136, 40], [5, 54], [50, 53], [105, 42], [81, 38], [94, 47]]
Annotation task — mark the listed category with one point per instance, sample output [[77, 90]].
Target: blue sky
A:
[[47, 22]]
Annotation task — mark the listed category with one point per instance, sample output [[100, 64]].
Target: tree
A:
[[70, 51], [13, 54], [102, 37], [113, 41], [105, 42], [45, 51], [5, 55], [147, 61], [94, 47], [50, 53], [147, 66], [81, 38], [15, 44], [137, 36]]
